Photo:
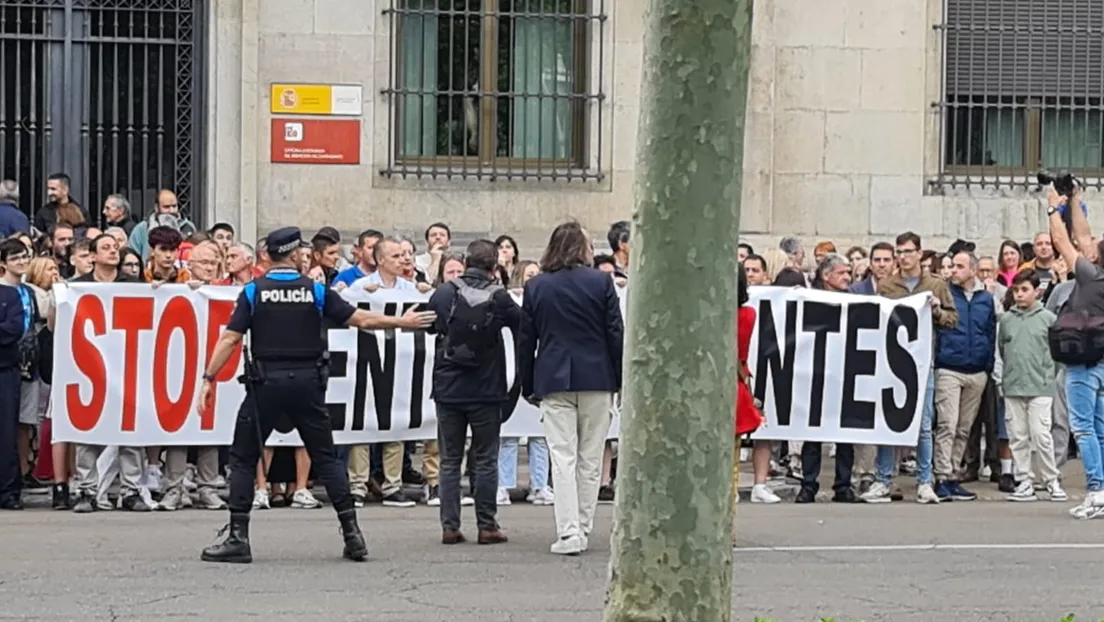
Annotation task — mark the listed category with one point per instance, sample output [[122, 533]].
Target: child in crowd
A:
[[1028, 382]]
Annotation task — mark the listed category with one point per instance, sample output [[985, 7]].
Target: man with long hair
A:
[[569, 362]]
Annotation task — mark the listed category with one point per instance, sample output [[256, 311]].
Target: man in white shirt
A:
[[388, 275]]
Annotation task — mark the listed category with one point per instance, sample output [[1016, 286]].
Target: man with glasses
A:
[[911, 279], [16, 322]]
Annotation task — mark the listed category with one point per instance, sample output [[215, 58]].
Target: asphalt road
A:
[[898, 562]]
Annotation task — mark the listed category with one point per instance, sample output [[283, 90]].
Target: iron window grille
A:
[[496, 89], [108, 91], [1023, 90]]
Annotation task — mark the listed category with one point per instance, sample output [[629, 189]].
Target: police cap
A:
[[283, 241]]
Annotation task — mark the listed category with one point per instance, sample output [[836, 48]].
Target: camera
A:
[[1064, 182]]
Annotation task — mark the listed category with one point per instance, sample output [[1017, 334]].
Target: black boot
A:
[[235, 548], [61, 499], [356, 548]]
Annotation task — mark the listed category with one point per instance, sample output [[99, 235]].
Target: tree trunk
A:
[[672, 542]]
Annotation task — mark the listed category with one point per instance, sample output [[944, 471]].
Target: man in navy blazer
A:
[[569, 362]]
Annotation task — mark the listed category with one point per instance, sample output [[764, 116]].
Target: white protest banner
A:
[[840, 368], [129, 359]]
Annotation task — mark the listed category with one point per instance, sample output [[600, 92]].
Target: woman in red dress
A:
[[748, 416]]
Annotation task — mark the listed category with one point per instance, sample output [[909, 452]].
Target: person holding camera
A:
[[1074, 337]]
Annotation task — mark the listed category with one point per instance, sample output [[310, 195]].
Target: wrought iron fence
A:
[[496, 89], [107, 91], [1023, 90]]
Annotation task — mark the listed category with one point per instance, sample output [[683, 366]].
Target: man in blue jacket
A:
[[12, 327], [964, 357], [12, 219]]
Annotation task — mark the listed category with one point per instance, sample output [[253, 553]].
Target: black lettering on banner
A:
[[903, 365], [382, 369], [417, 377], [820, 318], [770, 362], [339, 363], [856, 414]]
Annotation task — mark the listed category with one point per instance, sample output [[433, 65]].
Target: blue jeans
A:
[[1085, 394], [508, 462], [887, 454]]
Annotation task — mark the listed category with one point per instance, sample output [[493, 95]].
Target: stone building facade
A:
[[845, 138]]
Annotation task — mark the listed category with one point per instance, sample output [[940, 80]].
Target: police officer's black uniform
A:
[[284, 311]]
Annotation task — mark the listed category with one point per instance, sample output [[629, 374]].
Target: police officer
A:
[[285, 310]]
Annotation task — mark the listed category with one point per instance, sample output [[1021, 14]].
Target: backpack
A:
[[28, 343], [471, 334], [1076, 338]]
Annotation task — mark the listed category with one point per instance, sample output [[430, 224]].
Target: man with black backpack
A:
[[14, 326], [469, 386]]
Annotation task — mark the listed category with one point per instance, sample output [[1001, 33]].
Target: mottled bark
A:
[[672, 547]]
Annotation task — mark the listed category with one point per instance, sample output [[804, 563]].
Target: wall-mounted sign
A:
[[332, 99], [316, 141]]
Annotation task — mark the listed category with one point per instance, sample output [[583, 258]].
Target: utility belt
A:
[[257, 372]]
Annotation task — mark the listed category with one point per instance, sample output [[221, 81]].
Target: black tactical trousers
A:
[[298, 395]]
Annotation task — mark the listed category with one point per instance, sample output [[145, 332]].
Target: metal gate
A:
[[106, 91]]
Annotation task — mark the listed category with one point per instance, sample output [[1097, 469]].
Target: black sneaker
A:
[[606, 494], [61, 499], [14, 503], [433, 496], [845, 496], [134, 503], [806, 495], [34, 485], [413, 478], [86, 504], [1007, 483], [397, 500]]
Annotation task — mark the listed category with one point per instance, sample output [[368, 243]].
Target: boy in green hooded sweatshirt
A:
[[1028, 382]]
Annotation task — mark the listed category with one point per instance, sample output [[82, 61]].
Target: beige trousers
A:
[[576, 425], [1029, 422], [957, 399]]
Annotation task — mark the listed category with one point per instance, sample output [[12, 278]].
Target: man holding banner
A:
[[285, 311]]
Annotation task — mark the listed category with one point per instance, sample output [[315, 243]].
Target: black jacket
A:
[[126, 224], [11, 326], [572, 334], [46, 216], [485, 384]]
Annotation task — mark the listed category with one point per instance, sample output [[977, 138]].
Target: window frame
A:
[[1035, 103], [493, 165]]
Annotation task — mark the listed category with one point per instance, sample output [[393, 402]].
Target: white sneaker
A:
[[1024, 492], [172, 501], [261, 500], [761, 493], [303, 499], [1096, 498], [151, 478], [568, 546], [467, 501], [878, 493], [1054, 489], [503, 497], [1086, 511], [220, 482], [745, 454], [189, 479], [208, 499], [586, 542], [542, 496], [926, 494]]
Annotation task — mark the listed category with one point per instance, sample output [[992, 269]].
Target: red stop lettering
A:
[[131, 315], [218, 316], [177, 315], [85, 415]]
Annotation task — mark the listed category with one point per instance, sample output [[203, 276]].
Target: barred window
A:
[[1023, 90], [495, 89]]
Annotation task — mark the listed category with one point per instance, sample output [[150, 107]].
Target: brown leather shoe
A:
[[492, 537], [453, 536]]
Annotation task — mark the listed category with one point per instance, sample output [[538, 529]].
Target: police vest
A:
[[287, 318]]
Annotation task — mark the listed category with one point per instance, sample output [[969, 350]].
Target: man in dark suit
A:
[[569, 361]]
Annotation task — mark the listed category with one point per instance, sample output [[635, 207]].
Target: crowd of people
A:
[[997, 406], [65, 243]]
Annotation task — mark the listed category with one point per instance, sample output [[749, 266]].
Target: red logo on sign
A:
[[316, 141]]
